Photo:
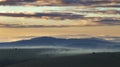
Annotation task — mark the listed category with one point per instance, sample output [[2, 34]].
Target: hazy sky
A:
[[20, 20]]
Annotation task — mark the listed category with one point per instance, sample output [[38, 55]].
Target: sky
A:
[[23, 19]]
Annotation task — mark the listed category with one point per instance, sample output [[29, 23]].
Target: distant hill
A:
[[51, 41]]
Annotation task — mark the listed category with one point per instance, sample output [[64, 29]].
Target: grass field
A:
[[35, 58]]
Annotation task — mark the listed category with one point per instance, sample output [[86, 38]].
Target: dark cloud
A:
[[45, 15], [9, 3], [113, 5], [58, 2], [109, 21], [86, 2], [19, 0], [33, 26]]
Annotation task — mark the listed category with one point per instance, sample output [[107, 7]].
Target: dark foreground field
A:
[[32, 58]]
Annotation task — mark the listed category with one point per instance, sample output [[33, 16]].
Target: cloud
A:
[[59, 16], [49, 20], [33, 26], [58, 2], [85, 2], [83, 13], [109, 21]]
